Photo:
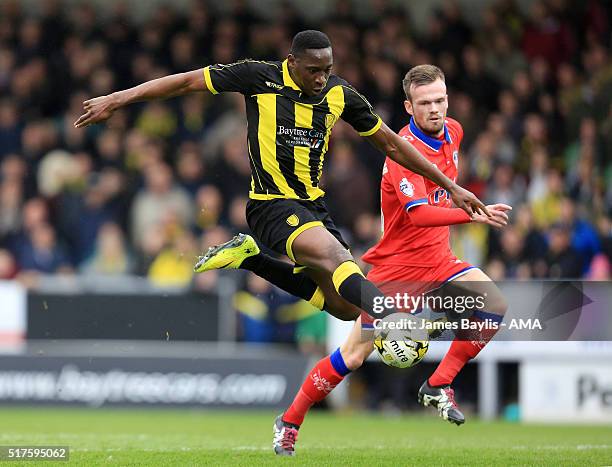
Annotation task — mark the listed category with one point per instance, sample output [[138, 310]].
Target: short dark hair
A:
[[309, 39], [420, 75]]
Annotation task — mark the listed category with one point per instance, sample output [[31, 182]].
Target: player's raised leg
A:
[[436, 391], [242, 252], [318, 249], [319, 382], [316, 287]]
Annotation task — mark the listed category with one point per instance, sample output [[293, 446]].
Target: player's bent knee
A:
[[332, 262]]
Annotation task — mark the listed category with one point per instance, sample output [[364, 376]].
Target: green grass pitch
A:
[[186, 438]]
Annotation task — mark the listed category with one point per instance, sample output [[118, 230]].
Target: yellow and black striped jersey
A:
[[288, 132]]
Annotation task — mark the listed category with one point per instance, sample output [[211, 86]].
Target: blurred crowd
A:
[[162, 181]]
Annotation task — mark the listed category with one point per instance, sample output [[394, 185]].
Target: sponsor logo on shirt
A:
[[439, 197], [309, 137]]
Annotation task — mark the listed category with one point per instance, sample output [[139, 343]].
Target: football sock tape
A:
[[318, 299], [338, 363], [343, 272]]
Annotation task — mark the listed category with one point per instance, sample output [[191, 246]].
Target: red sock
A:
[[461, 351], [321, 380]]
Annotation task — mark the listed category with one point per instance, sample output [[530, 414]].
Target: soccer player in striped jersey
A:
[[291, 109]]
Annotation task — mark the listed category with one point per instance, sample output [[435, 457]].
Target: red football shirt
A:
[[402, 242]]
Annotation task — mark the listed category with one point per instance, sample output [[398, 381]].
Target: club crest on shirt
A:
[[456, 158], [406, 187], [293, 220]]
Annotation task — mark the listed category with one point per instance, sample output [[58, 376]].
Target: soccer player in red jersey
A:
[[414, 251]]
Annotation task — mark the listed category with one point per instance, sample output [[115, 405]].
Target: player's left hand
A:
[[498, 215], [468, 201]]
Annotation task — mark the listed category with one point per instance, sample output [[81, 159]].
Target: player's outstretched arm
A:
[[100, 109], [405, 154], [435, 216]]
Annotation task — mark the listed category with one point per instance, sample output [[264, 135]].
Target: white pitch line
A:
[[558, 447], [593, 446]]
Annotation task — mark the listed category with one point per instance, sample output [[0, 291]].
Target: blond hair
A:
[[420, 75]]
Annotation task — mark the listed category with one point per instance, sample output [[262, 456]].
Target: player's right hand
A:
[[98, 109], [498, 215]]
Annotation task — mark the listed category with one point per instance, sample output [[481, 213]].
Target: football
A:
[[400, 351]]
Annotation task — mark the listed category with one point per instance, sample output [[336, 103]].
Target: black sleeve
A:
[[234, 77], [359, 113]]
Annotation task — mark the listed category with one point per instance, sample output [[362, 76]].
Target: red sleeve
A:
[[409, 187], [434, 216]]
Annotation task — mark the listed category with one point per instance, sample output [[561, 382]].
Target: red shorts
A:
[[417, 280]]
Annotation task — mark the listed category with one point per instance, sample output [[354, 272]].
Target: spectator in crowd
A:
[[11, 205], [584, 238], [41, 252], [190, 168], [504, 60], [160, 202], [505, 186], [547, 208], [84, 209], [512, 245], [563, 260], [110, 255], [208, 207], [535, 246], [173, 266], [10, 127], [538, 166]]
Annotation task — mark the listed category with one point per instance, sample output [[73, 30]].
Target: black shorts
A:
[[277, 222]]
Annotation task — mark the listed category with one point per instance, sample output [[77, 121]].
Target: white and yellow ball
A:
[[400, 351]]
